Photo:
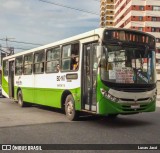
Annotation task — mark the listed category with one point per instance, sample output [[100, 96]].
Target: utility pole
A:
[[7, 39], [2, 54], [8, 50]]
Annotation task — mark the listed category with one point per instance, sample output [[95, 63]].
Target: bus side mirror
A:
[[99, 51]]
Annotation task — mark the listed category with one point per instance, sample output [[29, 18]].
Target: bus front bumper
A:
[[106, 106]]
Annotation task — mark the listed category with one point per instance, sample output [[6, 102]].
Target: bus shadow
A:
[[47, 108], [119, 121]]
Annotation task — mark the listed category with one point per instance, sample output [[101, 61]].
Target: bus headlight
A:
[[153, 98], [108, 96]]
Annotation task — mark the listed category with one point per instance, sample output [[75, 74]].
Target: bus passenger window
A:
[[73, 61], [70, 57], [75, 52], [18, 65], [39, 62], [28, 61], [76, 65], [52, 63], [5, 68], [57, 68]]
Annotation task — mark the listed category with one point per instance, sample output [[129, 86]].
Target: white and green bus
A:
[[106, 71]]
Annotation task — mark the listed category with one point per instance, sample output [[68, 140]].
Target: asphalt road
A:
[[41, 125]]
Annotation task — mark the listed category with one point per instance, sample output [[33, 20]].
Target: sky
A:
[[37, 22]]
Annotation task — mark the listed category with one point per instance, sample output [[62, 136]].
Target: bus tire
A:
[[70, 111], [20, 99]]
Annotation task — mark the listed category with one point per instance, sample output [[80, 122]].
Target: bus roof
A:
[[98, 31], [67, 40]]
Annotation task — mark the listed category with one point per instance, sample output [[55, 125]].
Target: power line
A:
[[20, 42], [96, 0], [16, 48], [77, 9]]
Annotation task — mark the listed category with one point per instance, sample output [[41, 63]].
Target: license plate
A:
[[135, 106]]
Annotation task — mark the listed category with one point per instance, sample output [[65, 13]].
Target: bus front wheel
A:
[[20, 99], [70, 111]]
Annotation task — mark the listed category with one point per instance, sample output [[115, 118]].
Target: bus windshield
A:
[[127, 64]]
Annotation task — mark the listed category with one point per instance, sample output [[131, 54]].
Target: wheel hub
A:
[[70, 107]]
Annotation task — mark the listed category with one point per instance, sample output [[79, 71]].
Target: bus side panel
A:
[[49, 89], [76, 93], [52, 97], [48, 97], [28, 94], [5, 87], [25, 84], [42, 96], [45, 89]]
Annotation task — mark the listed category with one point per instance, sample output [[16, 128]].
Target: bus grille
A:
[[128, 107], [133, 100]]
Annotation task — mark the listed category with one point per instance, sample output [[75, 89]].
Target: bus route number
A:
[[61, 78]]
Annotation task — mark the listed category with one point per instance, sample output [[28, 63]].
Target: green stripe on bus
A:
[[5, 85], [48, 96]]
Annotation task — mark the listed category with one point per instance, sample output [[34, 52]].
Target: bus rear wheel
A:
[[70, 111], [20, 99]]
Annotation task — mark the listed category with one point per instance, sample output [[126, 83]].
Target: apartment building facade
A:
[[143, 15]]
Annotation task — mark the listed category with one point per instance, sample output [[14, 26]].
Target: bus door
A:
[[89, 75], [11, 79]]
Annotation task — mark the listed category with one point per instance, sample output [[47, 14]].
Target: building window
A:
[[140, 28], [70, 57], [157, 40], [158, 50], [153, 29], [156, 8], [39, 62], [140, 18], [141, 8], [18, 65], [28, 61], [53, 57], [154, 19]]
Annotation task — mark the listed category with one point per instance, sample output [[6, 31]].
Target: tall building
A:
[[143, 15], [107, 13]]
